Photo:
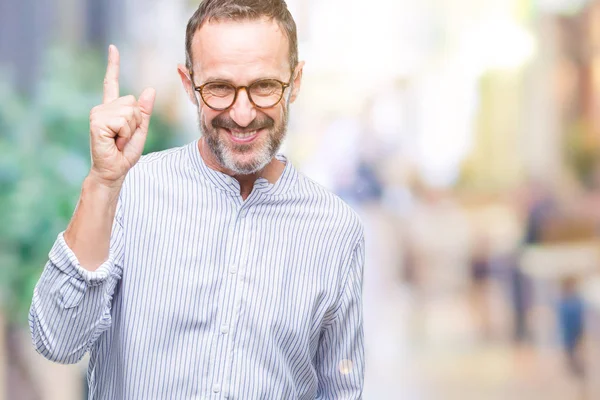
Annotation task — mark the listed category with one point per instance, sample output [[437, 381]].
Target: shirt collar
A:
[[229, 184]]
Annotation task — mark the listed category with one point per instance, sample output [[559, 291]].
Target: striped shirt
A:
[[209, 296]]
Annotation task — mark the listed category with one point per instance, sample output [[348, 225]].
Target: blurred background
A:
[[466, 133]]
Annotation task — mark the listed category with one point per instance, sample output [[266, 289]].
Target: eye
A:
[[218, 89], [266, 87]]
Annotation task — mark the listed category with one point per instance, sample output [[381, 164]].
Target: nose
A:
[[242, 111]]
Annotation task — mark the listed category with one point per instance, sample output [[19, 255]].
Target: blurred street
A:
[[436, 346]]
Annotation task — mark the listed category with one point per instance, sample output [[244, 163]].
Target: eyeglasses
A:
[[219, 96]]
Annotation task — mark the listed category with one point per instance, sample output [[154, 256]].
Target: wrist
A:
[[106, 188], [95, 181]]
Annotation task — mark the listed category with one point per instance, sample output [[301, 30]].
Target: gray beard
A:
[[227, 158]]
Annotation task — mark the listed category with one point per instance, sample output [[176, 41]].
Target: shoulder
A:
[[167, 168], [160, 158], [330, 208], [161, 163]]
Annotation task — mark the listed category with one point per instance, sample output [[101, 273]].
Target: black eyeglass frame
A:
[[198, 89]]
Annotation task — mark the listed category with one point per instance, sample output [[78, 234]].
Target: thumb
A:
[[146, 102]]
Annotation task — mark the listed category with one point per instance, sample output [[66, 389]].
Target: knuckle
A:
[[94, 125], [94, 110]]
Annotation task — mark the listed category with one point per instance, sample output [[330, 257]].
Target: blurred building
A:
[[29, 27]]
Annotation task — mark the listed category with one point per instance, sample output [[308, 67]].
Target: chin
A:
[[248, 165], [246, 156], [248, 168]]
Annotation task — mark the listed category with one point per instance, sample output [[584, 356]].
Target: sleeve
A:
[[71, 306], [340, 357]]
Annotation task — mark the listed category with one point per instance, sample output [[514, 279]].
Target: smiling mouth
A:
[[243, 136]]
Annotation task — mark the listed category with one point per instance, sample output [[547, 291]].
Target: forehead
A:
[[240, 50]]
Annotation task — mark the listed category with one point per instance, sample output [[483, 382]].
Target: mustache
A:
[[260, 122]]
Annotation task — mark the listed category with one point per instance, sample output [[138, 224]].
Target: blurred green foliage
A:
[[44, 157]]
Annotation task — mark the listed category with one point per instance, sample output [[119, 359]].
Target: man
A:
[[214, 270]]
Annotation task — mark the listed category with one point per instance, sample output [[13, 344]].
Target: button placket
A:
[[227, 307], [240, 241], [237, 272]]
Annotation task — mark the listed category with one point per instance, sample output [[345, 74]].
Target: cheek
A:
[[206, 116], [276, 114]]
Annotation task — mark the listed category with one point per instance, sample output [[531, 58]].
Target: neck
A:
[[271, 172]]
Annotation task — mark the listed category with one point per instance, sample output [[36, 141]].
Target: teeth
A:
[[243, 135]]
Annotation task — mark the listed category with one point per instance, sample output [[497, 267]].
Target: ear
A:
[[188, 85], [297, 81]]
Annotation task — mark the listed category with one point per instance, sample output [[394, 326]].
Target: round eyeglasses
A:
[[219, 95]]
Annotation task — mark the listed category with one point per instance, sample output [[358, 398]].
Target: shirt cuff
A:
[[65, 260]]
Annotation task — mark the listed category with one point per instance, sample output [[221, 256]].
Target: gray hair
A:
[[243, 10]]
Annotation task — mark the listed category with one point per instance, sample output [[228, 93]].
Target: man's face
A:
[[243, 138]]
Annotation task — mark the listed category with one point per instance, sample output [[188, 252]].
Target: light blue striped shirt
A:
[[207, 296]]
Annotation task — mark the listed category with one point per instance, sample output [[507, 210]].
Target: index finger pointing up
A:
[[111, 79]]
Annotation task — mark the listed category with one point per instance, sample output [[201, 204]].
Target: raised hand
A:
[[118, 127]]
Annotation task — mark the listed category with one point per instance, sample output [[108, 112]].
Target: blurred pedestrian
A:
[[570, 318]]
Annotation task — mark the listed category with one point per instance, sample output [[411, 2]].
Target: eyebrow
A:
[[220, 79]]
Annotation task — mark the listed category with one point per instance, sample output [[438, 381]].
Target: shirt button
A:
[[216, 388], [224, 329], [233, 269]]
